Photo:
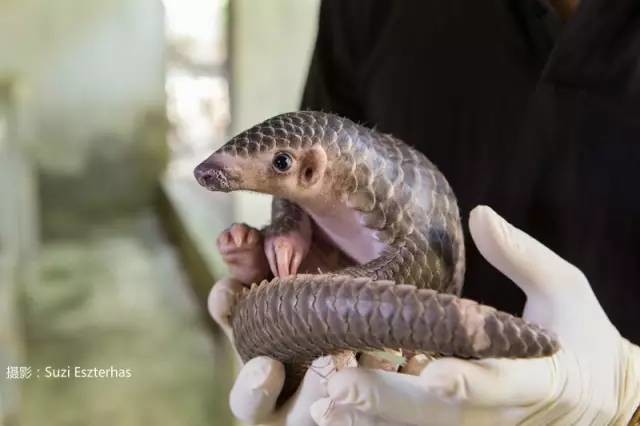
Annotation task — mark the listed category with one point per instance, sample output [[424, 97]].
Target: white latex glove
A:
[[256, 389], [593, 380]]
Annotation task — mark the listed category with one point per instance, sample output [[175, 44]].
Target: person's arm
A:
[[347, 33]]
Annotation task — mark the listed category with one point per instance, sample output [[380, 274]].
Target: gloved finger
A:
[[394, 397], [490, 382], [221, 300], [444, 384], [550, 282], [520, 257], [295, 411], [325, 412], [256, 389]]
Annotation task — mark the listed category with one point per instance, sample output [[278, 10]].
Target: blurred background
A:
[[107, 244]]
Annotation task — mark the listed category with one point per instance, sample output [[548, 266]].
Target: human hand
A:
[[593, 379], [256, 389]]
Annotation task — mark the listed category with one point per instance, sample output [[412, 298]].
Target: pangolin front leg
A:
[[288, 238], [241, 248]]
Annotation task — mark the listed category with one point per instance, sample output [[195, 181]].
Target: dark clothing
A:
[[537, 119]]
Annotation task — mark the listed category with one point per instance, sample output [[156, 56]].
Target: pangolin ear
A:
[[312, 166]]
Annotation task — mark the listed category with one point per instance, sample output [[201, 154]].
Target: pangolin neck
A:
[[345, 228]]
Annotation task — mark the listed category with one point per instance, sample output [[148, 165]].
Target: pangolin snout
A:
[[213, 175]]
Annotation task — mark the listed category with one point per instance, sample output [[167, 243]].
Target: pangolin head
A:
[[286, 156]]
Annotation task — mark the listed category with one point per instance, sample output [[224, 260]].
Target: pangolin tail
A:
[[298, 319]]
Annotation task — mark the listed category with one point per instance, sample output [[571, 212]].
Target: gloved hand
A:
[[593, 379], [256, 389]]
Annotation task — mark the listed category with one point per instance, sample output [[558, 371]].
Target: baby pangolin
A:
[[389, 224]]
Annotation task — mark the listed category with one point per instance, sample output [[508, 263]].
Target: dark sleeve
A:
[[588, 109], [347, 33], [599, 50]]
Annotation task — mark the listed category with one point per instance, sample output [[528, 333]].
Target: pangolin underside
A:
[[404, 298]]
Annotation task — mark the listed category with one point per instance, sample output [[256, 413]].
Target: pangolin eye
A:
[[282, 162]]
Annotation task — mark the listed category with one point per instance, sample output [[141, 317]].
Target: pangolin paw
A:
[[241, 247], [285, 252]]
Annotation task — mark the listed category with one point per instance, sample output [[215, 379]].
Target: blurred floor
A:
[[118, 297]]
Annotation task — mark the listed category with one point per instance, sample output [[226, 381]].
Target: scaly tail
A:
[[298, 319]]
